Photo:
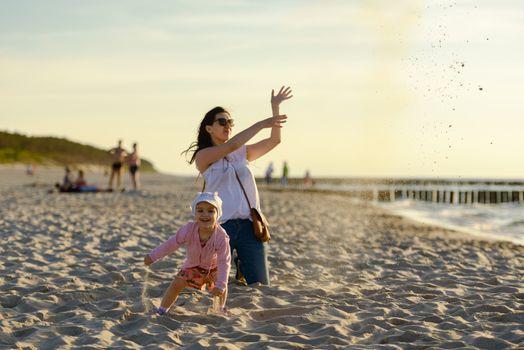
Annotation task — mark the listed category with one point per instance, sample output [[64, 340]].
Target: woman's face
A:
[[220, 130]]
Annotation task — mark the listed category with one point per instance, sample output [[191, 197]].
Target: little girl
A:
[[208, 254]]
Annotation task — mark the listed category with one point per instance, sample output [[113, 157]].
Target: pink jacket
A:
[[216, 252]]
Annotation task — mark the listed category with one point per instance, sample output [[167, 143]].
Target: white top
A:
[[220, 177]]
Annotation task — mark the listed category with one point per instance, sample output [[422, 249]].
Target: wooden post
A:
[[366, 195], [451, 195], [384, 196], [486, 197], [482, 197]]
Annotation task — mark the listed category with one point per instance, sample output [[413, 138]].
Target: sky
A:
[[400, 88]]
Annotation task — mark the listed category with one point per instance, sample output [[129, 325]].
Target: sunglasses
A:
[[225, 121]]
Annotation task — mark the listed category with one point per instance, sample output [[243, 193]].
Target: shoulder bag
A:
[[260, 224]]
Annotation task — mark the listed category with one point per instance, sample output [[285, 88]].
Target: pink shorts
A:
[[197, 277]]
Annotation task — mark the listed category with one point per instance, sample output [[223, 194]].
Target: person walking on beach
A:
[[208, 256], [118, 155], [269, 173], [134, 163], [308, 180], [285, 174], [224, 161]]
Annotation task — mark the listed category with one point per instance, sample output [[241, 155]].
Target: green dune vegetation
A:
[[17, 148]]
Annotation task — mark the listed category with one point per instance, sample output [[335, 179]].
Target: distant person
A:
[[67, 183], [118, 155], [81, 185], [80, 180], [308, 180], [208, 256], [134, 164], [78, 186], [30, 169], [285, 174], [223, 161], [269, 173]]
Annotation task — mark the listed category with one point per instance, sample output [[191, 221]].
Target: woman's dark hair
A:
[[203, 137]]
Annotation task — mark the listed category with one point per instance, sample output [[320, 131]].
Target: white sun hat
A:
[[209, 197]]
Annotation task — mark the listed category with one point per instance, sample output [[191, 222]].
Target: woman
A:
[[220, 159], [118, 155], [134, 164]]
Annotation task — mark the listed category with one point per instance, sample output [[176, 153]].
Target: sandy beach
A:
[[345, 275]]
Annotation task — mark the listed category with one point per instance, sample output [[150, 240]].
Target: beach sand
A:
[[344, 275]]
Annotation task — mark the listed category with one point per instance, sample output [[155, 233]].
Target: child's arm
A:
[[223, 262], [168, 247]]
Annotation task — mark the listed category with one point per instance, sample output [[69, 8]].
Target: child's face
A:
[[205, 215]]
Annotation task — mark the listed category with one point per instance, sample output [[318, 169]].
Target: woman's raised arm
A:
[[207, 156], [260, 148]]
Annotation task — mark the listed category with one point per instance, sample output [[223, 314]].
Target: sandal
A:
[[239, 276]]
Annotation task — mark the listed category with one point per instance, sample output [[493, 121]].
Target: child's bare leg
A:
[[223, 299], [172, 292]]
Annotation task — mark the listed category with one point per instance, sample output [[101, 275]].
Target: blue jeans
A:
[[251, 252]]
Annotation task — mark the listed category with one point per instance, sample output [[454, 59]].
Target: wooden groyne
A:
[[436, 196], [448, 191], [440, 196], [449, 196]]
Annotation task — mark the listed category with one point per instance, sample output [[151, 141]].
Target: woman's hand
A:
[[217, 292], [147, 260], [283, 94], [275, 121]]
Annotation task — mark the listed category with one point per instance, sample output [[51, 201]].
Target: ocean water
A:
[[499, 221]]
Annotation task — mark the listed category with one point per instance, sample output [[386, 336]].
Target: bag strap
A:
[[243, 190], [240, 183]]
